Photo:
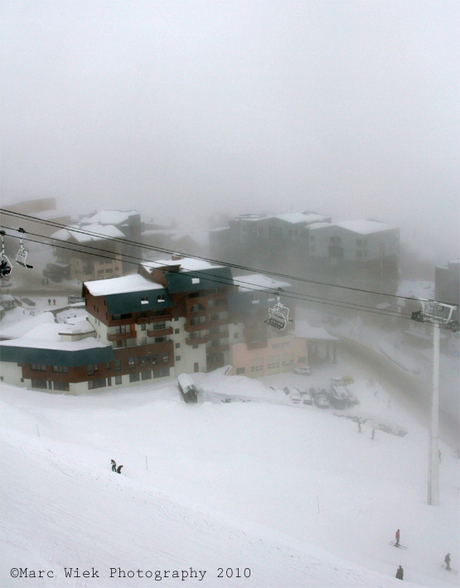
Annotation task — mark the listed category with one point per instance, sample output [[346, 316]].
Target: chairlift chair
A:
[[21, 255], [5, 264], [278, 316]]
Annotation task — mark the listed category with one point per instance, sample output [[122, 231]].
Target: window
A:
[[61, 386], [117, 379], [118, 364], [134, 377], [143, 327], [176, 331], [147, 375], [36, 367], [240, 370], [144, 300], [161, 298], [97, 383], [39, 384], [159, 326], [61, 369], [109, 365], [132, 362], [177, 357], [161, 373], [177, 346], [92, 368]]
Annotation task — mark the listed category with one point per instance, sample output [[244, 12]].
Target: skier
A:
[[400, 573], [114, 465], [447, 560], [397, 538], [119, 469]]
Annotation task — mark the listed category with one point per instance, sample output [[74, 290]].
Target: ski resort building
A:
[[174, 316]]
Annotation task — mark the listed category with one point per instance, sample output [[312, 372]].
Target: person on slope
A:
[[397, 538], [447, 560], [400, 573], [114, 465]]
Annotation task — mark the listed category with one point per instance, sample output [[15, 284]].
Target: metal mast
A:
[[439, 315]]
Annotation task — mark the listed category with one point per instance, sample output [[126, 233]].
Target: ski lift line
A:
[[293, 295], [296, 296], [209, 260]]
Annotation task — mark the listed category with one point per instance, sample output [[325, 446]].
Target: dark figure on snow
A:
[[114, 465], [119, 469], [400, 573], [397, 538], [447, 560]]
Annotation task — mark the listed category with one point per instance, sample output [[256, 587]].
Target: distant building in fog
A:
[[447, 284], [41, 208], [102, 245], [359, 254]]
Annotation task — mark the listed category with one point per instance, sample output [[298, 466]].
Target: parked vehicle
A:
[[307, 398], [73, 299], [293, 393], [338, 397], [304, 370], [321, 401], [295, 397]]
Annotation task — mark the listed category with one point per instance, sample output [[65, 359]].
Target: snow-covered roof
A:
[[300, 217], [109, 217], [80, 234], [48, 336], [316, 226], [122, 285], [258, 282], [186, 264], [364, 227]]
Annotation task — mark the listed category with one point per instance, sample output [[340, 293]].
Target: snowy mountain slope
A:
[[297, 496]]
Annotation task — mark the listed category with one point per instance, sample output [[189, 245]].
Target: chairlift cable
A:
[[200, 257], [310, 298]]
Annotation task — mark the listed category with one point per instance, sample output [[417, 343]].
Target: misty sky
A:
[[187, 108]]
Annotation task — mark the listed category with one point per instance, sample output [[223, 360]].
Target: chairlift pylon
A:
[[278, 316], [21, 255], [5, 264]]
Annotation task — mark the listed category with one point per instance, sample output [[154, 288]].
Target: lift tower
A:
[[439, 315]]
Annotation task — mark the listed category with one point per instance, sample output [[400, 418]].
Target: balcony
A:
[[197, 340], [121, 336], [160, 332]]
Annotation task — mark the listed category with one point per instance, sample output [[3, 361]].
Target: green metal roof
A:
[[61, 357]]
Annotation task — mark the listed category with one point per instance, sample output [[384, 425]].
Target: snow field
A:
[[296, 495]]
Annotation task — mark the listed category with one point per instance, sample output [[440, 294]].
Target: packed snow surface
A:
[[280, 495]]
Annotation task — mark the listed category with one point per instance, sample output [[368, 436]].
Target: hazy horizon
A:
[[181, 110]]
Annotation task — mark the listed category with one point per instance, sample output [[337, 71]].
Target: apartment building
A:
[[169, 318]]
